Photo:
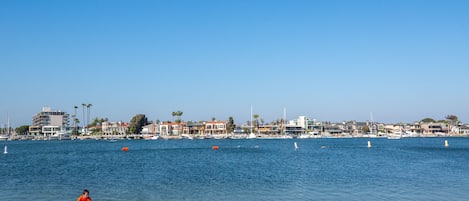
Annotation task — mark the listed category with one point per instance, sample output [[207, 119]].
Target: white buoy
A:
[[369, 144], [5, 150], [296, 145], [446, 143]]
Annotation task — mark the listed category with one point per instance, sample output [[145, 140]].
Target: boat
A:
[[251, 135], [5, 150], [392, 137], [187, 136], [60, 136], [6, 136], [395, 136]]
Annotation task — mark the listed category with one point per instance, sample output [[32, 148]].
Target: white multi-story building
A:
[[114, 128], [303, 122]]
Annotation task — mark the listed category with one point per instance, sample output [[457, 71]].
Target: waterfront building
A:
[[47, 117], [414, 129], [463, 130], [194, 128], [114, 128], [150, 129], [268, 129], [432, 128], [216, 127], [293, 130], [49, 123], [171, 128], [304, 122], [393, 128]]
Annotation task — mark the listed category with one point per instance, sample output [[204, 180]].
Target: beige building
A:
[[215, 127], [114, 128]]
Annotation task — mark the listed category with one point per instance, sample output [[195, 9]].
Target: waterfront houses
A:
[[49, 124]]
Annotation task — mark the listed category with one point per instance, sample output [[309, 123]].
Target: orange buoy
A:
[[125, 149], [215, 147]]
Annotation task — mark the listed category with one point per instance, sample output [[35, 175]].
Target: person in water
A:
[[85, 196]]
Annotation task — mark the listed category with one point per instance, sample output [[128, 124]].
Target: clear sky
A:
[[330, 60]]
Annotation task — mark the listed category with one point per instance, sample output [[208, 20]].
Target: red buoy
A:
[[125, 149], [215, 147]]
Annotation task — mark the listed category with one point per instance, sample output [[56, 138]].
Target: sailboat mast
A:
[[284, 119], [251, 118], [8, 125]]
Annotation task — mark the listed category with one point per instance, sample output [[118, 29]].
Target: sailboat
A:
[[6, 136], [251, 135], [5, 150], [284, 126]]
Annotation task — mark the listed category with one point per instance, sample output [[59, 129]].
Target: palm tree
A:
[[256, 122], [83, 105], [75, 107], [453, 121], [178, 114], [174, 114], [88, 107], [76, 121], [74, 117]]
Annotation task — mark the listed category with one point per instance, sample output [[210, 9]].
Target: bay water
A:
[[320, 169]]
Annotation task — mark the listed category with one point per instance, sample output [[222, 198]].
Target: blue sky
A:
[[330, 60]]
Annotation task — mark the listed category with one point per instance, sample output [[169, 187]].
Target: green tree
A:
[[443, 121], [178, 115], [366, 129], [173, 114], [22, 130], [137, 122], [96, 121], [453, 119], [230, 125], [428, 120], [256, 121]]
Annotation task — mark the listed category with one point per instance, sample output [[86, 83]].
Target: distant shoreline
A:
[[215, 137]]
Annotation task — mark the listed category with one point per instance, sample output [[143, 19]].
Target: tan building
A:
[[171, 128], [434, 128], [216, 127]]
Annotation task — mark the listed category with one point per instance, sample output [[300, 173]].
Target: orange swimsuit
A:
[[83, 198]]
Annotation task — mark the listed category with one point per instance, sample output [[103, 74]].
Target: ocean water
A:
[[320, 169]]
